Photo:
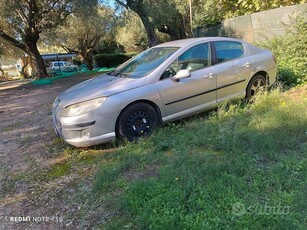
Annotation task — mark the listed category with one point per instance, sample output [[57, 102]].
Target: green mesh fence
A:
[[59, 75]]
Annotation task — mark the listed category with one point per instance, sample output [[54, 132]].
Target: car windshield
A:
[[145, 62]]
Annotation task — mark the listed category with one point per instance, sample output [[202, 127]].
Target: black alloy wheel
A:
[[137, 121]]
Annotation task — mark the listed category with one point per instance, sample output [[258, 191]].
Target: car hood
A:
[[101, 86]]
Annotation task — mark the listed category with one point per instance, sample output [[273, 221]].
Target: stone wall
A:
[[255, 27]]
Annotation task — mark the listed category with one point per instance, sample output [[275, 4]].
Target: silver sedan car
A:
[[164, 83]]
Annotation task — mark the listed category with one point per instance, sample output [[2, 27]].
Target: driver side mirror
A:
[[184, 73]]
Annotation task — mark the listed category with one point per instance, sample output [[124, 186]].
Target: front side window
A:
[[145, 62], [228, 50], [197, 57]]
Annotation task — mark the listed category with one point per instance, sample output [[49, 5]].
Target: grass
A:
[[58, 170], [243, 166]]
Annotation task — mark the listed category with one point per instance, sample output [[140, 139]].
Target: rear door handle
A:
[[246, 64], [209, 75]]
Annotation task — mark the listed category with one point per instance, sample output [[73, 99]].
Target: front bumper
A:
[[84, 130], [72, 134], [81, 142]]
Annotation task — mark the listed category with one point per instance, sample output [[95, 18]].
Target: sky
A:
[[109, 3]]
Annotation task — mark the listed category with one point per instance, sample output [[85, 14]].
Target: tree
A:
[[162, 15], [139, 7], [183, 7], [130, 32], [83, 30], [22, 22], [167, 18], [235, 8], [210, 12]]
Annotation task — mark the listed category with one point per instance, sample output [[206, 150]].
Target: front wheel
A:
[[137, 121], [257, 83]]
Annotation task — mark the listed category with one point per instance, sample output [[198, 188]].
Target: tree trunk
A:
[[88, 59], [1, 71], [88, 62], [24, 66], [37, 62], [150, 30]]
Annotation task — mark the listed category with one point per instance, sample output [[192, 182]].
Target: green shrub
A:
[[111, 60], [291, 53]]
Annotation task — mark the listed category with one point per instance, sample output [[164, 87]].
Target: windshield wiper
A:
[[117, 74]]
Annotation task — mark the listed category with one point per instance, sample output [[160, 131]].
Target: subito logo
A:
[[238, 209]]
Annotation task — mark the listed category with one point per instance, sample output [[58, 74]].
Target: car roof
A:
[[190, 41]]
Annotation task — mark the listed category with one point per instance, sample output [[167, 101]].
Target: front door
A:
[[192, 94]]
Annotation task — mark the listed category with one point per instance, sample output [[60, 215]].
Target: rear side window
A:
[[228, 50]]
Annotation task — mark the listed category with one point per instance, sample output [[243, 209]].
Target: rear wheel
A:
[[257, 83], [136, 121]]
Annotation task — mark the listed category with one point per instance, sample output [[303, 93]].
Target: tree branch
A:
[[22, 15], [12, 40], [67, 49]]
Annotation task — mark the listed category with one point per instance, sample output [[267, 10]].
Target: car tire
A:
[[255, 84], [137, 121]]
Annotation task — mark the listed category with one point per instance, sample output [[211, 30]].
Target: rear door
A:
[[192, 94], [232, 67]]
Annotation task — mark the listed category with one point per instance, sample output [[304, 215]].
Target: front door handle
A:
[[209, 75], [246, 64]]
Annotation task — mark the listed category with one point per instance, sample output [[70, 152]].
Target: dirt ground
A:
[[29, 150]]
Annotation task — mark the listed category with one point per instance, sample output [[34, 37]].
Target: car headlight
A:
[[83, 107]]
